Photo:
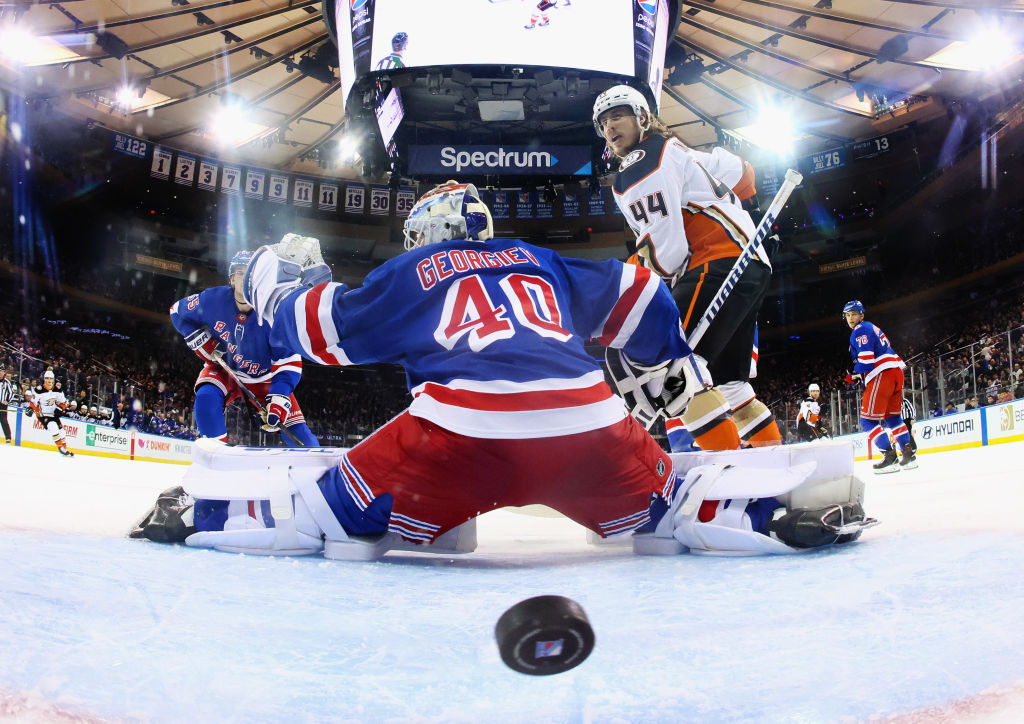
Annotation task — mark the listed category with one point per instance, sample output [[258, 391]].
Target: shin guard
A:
[[707, 419]]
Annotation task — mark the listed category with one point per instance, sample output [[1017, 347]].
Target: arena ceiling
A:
[[844, 69]]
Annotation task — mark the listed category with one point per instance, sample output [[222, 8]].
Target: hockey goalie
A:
[[508, 409]]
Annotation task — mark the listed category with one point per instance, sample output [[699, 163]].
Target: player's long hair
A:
[[653, 126]]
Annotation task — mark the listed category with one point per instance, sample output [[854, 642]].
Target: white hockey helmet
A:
[[48, 375], [813, 387], [620, 95], [449, 211]]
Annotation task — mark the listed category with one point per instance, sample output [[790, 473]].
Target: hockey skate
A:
[[807, 528], [63, 450], [889, 464], [908, 461]]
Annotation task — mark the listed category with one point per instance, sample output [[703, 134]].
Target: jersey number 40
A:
[[468, 309]]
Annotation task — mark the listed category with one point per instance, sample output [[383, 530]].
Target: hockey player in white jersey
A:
[[685, 208], [808, 420], [508, 409], [47, 404]]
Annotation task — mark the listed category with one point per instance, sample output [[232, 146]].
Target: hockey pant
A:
[[881, 408], [211, 399]]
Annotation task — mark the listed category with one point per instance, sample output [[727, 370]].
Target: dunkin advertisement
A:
[[162, 449]]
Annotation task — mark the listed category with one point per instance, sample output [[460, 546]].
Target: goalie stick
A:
[[252, 398], [793, 179]]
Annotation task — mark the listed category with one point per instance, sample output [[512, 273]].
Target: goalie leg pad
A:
[[730, 532]]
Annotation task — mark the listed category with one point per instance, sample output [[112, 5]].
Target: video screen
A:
[[586, 34], [620, 37], [389, 114]]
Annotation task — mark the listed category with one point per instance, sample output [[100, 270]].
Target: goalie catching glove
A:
[[276, 410], [293, 263], [654, 390]]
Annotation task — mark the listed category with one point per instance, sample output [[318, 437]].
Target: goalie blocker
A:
[[741, 502]]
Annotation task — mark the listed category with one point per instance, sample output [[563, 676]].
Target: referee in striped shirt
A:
[[6, 395], [909, 415]]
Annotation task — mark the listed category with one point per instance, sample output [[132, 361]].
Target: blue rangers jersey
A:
[[246, 345], [871, 352], [491, 333]]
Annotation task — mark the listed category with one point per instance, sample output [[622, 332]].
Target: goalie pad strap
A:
[[306, 485]]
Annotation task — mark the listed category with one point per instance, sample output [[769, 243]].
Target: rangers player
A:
[[218, 326], [881, 369]]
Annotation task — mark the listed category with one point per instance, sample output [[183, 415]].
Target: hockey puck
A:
[[544, 635]]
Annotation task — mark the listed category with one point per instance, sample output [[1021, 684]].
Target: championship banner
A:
[[207, 175], [129, 145], [302, 195], [380, 200], [185, 170], [255, 183], [524, 204], [277, 191], [501, 205], [595, 202], [544, 209], [355, 197], [230, 180], [327, 199], [615, 208], [570, 205], [161, 167], [405, 199]]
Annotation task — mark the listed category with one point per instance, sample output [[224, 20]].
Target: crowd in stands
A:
[[140, 376]]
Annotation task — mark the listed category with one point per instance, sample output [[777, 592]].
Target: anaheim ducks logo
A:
[[631, 158]]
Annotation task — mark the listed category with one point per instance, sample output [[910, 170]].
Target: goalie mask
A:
[[450, 211]]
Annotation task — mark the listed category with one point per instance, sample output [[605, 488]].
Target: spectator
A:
[[950, 409]]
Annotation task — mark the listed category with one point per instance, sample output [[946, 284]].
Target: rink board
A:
[[85, 438]]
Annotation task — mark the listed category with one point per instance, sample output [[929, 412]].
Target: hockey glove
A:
[[203, 344], [276, 409], [852, 379]]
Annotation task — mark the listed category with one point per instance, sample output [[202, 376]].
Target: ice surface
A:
[[920, 616]]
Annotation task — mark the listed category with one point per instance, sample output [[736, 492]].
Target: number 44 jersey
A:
[[491, 333], [684, 205]]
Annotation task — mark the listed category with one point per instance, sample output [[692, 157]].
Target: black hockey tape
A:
[[544, 635]]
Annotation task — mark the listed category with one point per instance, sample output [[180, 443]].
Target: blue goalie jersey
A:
[[491, 333], [246, 345]]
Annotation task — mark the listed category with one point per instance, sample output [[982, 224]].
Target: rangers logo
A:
[[631, 158], [547, 649]]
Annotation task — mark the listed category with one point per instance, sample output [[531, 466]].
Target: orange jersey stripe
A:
[[745, 188]]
